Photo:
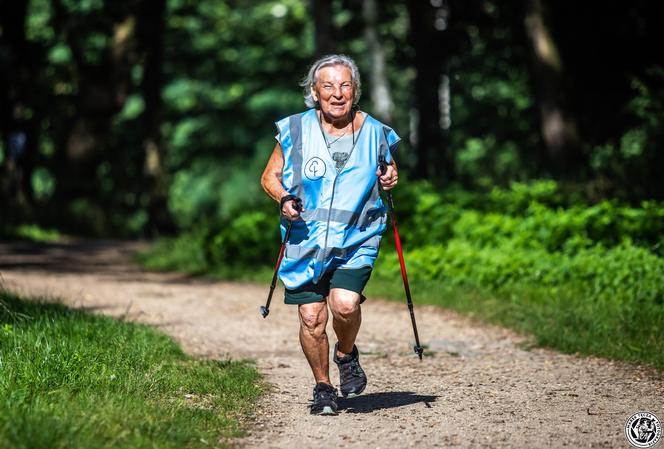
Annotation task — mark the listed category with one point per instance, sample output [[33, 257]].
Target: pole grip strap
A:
[[294, 198]]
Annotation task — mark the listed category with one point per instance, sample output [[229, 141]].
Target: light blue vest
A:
[[344, 214]]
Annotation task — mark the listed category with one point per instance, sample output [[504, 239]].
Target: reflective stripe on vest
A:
[[344, 215]]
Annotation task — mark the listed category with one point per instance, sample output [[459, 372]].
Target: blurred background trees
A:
[[531, 154], [148, 117]]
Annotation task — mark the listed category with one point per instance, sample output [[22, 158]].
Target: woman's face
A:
[[334, 91]]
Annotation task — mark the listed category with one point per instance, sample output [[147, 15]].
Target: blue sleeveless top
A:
[[344, 215]]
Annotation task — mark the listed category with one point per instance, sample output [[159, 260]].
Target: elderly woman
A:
[[324, 172]]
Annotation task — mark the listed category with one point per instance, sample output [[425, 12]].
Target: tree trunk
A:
[[103, 87], [381, 98], [152, 20], [558, 127], [427, 27], [324, 28], [17, 114]]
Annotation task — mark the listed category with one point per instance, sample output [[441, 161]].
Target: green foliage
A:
[[629, 164], [195, 192], [43, 183], [185, 253], [248, 240], [526, 216], [74, 380], [30, 232], [213, 190], [622, 274], [493, 106], [230, 69]]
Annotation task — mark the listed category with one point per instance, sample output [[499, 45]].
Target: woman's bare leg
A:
[[313, 338]]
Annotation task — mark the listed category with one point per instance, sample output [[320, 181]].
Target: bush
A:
[[623, 273], [532, 216], [250, 239], [185, 253]]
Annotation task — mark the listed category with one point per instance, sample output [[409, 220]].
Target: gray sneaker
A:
[[351, 375], [325, 400]]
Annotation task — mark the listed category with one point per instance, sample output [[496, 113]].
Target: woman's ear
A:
[[314, 94]]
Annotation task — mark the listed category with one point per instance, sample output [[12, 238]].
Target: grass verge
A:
[[75, 380], [562, 319]]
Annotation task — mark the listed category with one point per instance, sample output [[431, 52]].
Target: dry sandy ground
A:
[[479, 387]]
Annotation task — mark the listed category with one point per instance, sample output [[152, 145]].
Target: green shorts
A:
[[349, 279]]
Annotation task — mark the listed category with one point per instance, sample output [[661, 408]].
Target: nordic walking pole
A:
[[390, 204], [265, 310]]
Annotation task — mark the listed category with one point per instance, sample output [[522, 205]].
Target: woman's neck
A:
[[334, 126]]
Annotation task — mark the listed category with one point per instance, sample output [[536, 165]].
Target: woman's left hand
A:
[[389, 179]]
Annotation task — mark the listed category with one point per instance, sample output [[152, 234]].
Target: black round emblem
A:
[[643, 429]]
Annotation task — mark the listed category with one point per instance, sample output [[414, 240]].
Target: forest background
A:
[[531, 154]]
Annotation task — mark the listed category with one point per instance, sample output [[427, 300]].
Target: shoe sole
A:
[[353, 395], [327, 411]]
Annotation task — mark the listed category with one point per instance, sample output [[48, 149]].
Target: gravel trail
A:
[[479, 386]]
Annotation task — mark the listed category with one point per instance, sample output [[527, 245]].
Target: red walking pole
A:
[[390, 204], [265, 310]]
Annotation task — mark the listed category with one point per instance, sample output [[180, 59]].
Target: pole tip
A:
[[418, 350], [265, 311]]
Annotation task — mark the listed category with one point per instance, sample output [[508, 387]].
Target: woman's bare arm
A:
[[271, 178], [271, 182]]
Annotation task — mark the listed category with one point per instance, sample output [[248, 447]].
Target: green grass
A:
[[560, 318], [74, 380]]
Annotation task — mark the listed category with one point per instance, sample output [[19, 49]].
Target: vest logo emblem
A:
[[315, 169]]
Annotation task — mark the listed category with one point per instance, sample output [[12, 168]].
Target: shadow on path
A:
[[74, 256], [84, 256], [376, 401]]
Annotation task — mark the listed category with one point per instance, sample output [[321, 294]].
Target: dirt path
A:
[[479, 388]]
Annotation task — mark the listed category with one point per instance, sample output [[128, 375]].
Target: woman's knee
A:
[[345, 306], [313, 318]]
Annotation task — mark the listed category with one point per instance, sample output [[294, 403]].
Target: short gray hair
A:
[[327, 61]]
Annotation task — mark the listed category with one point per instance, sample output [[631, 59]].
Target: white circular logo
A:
[[643, 429], [315, 168]]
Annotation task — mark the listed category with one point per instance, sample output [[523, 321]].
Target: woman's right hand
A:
[[290, 211]]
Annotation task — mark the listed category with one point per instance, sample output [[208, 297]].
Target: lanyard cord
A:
[[328, 144]]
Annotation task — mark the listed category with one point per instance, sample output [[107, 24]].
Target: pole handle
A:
[[382, 165], [296, 200]]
